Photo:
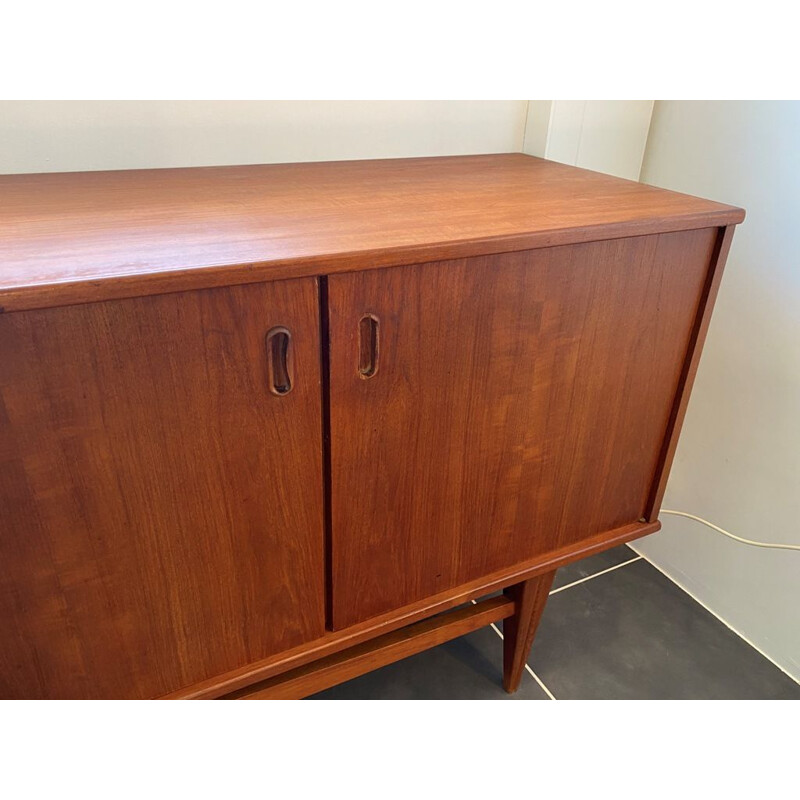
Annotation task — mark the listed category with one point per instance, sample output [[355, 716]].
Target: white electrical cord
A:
[[729, 534]]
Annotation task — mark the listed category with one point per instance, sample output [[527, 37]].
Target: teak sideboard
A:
[[266, 428]]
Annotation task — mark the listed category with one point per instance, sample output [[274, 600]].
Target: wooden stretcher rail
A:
[[386, 649]]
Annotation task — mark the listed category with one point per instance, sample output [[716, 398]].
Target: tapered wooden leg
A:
[[529, 599]]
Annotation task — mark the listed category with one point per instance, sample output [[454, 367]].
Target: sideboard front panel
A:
[[517, 403], [162, 509]]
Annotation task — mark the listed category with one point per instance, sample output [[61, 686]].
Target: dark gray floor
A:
[[627, 634], [593, 565]]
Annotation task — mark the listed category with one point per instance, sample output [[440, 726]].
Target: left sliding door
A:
[[161, 489]]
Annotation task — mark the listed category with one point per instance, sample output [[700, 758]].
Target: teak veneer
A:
[[263, 429]]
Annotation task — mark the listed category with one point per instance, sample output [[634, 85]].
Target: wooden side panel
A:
[[162, 511], [690, 365], [520, 405]]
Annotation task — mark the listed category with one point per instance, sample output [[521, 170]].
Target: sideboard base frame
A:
[[386, 649], [337, 641]]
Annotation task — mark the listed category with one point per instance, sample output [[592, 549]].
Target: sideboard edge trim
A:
[[135, 284]]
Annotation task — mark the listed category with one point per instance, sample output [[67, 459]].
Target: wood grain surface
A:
[[690, 365], [72, 237], [520, 405], [162, 511]]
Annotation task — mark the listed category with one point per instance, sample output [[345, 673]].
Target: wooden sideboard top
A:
[[80, 237]]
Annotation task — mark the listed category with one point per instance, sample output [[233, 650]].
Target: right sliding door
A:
[[487, 410]]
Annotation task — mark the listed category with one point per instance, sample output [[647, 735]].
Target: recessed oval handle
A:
[[368, 349], [279, 361]]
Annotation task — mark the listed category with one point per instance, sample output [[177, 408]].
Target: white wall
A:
[[738, 461], [603, 135], [55, 136]]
